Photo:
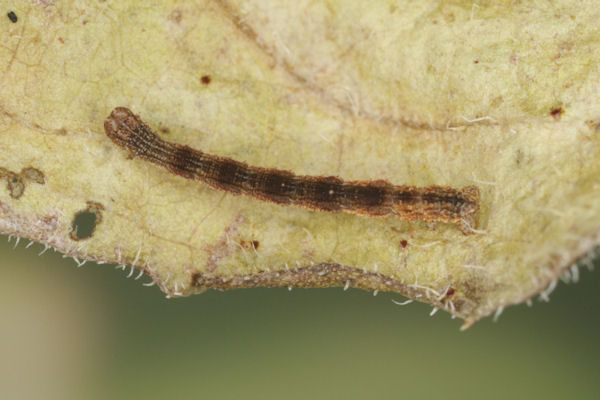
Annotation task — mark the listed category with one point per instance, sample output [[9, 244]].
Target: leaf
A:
[[499, 95]]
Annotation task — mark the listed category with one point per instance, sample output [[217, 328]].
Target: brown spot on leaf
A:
[[557, 113], [16, 186], [403, 243], [15, 183], [175, 16], [253, 244], [33, 174], [205, 79]]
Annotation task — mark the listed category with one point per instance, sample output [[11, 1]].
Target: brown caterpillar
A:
[[324, 193]]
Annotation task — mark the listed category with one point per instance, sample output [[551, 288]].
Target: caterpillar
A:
[[375, 198]]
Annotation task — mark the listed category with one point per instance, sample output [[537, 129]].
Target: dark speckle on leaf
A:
[[556, 113], [12, 16]]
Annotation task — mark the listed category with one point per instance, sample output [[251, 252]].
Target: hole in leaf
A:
[[85, 221], [83, 225]]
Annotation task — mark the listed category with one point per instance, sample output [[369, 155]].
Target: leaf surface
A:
[[500, 95]]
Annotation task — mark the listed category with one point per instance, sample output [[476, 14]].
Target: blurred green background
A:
[[89, 333]]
